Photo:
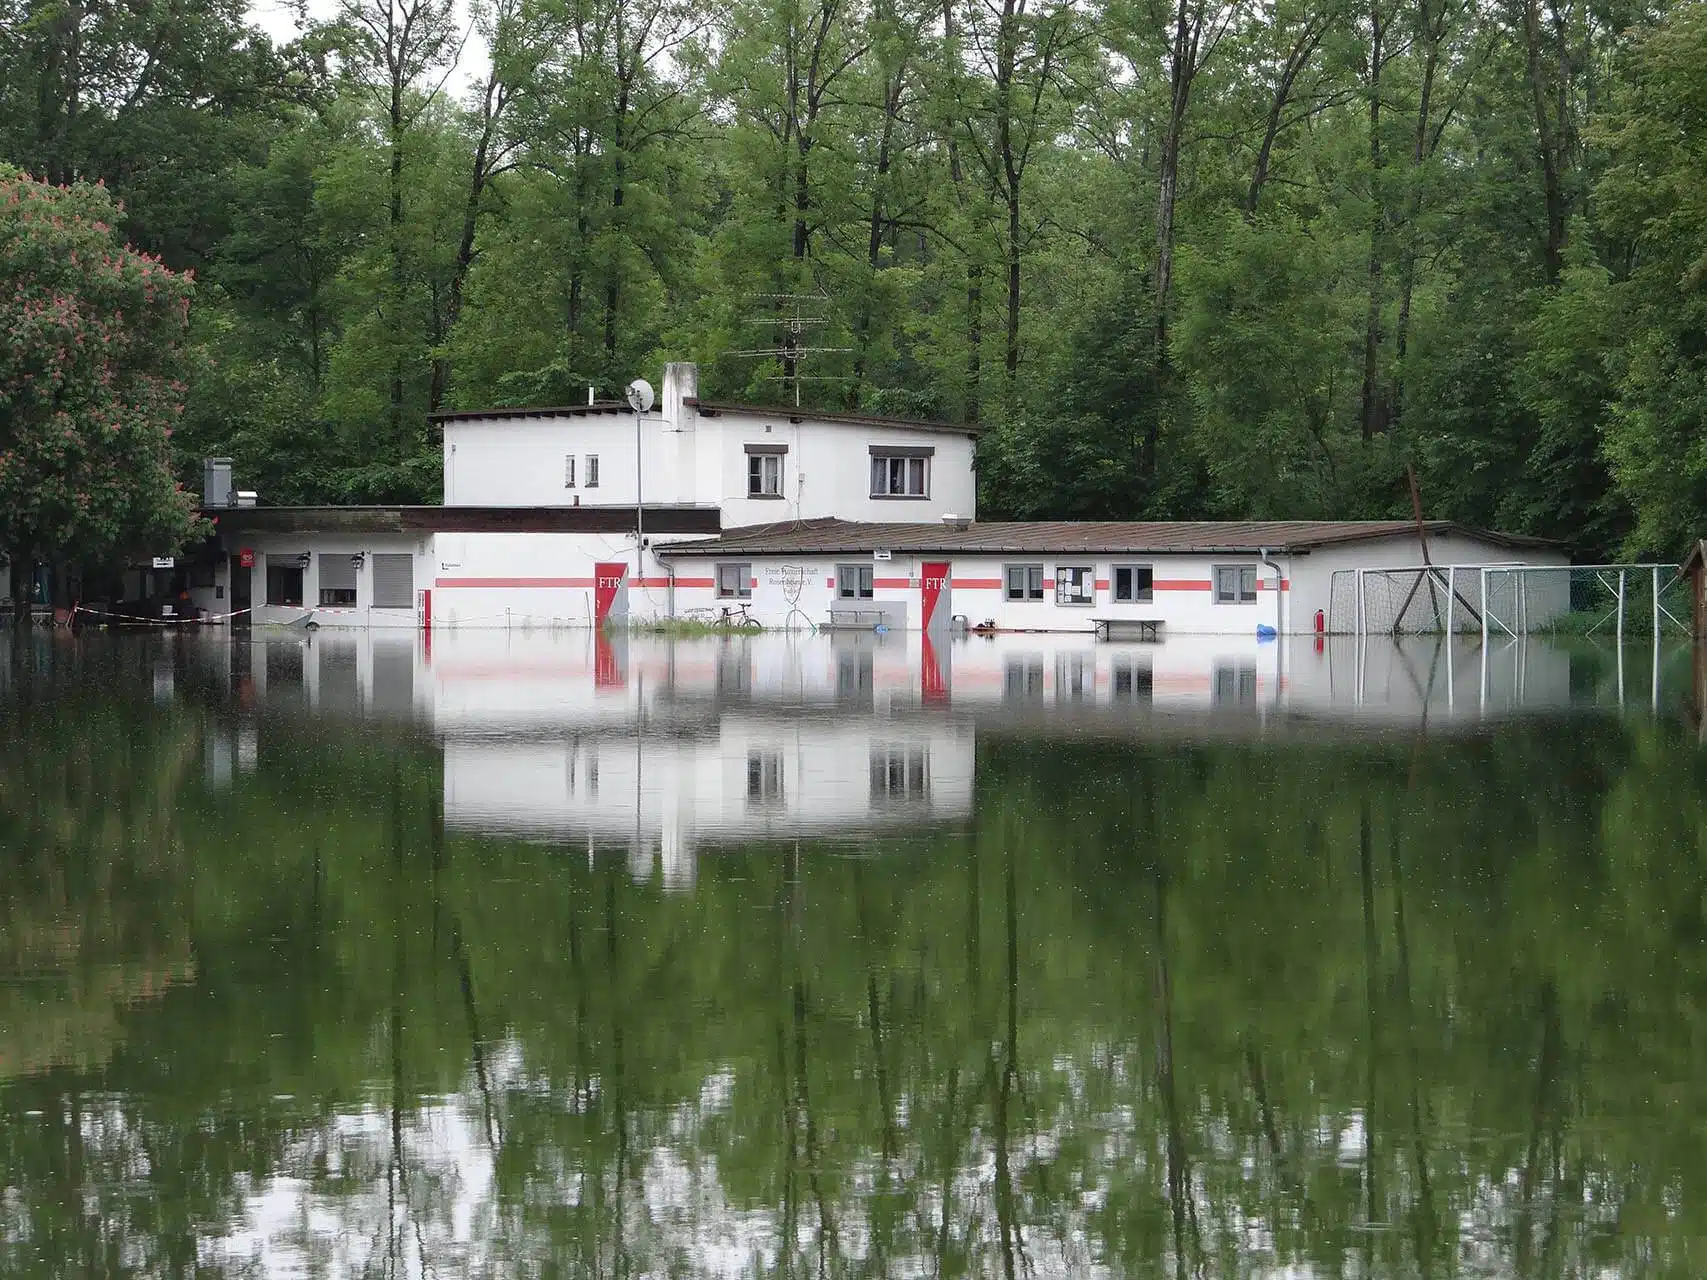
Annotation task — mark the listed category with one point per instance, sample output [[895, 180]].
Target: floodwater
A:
[[535, 955]]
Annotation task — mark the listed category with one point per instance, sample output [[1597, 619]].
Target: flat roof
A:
[[411, 519], [713, 409], [830, 536]]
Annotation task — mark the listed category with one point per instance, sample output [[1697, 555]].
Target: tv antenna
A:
[[793, 315]]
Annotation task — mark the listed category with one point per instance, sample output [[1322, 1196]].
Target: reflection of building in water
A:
[[741, 778]]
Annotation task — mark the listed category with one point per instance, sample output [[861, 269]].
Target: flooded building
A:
[[777, 518]]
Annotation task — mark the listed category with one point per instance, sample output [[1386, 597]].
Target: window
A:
[[764, 777], [1235, 584], [734, 582], [394, 581], [853, 582], [900, 773], [1235, 684], [1022, 679], [1134, 583], [764, 475], [1075, 584], [1025, 582], [1132, 680], [337, 580], [592, 471], [901, 473], [1075, 678], [568, 471], [284, 579]]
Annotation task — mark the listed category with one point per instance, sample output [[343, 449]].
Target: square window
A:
[[734, 582], [1134, 583], [900, 476], [1235, 584], [764, 475], [1075, 584], [854, 582], [1025, 582], [592, 471]]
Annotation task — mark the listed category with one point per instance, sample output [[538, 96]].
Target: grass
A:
[[686, 628]]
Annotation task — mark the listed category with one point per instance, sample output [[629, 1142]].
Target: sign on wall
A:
[[246, 558], [165, 562], [610, 592]]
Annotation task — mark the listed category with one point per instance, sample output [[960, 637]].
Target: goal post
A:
[[1511, 600]]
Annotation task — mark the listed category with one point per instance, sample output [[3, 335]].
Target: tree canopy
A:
[[1196, 258]]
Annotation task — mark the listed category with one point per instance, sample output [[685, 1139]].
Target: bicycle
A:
[[737, 618]]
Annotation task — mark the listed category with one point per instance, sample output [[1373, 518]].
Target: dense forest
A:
[[1182, 258]]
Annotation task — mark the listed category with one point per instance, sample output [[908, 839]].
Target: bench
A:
[[856, 619], [1136, 628]]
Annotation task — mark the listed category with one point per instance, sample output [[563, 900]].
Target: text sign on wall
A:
[[933, 590], [790, 578], [246, 559], [608, 583], [164, 562]]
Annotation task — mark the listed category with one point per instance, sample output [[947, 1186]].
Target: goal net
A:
[[1517, 599]]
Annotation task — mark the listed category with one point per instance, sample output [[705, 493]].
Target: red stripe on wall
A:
[[696, 582], [976, 584], [1102, 584], [1264, 585], [512, 582], [1182, 584], [891, 583]]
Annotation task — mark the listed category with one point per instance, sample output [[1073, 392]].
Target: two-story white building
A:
[[786, 518]]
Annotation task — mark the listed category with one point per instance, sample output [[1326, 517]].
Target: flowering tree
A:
[[91, 335]]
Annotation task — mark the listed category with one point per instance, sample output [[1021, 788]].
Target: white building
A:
[[792, 518]]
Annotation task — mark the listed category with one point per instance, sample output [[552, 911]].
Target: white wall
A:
[[1312, 576], [693, 459], [791, 591], [341, 546]]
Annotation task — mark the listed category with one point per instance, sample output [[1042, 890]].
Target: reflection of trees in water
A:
[[1193, 1012]]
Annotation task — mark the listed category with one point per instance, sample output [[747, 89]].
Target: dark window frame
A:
[[1135, 594], [744, 571], [1028, 593], [1237, 593], [865, 582]]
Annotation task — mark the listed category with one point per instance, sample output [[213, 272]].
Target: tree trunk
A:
[[395, 226], [1548, 136], [1296, 60], [1413, 205], [1372, 415], [1007, 54]]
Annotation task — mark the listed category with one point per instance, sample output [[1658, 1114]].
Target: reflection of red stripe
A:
[[512, 582], [891, 582]]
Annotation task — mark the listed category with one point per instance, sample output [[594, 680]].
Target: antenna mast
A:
[[793, 314]]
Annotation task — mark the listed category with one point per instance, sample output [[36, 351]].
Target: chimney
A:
[[216, 482], [681, 383], [952, 521]]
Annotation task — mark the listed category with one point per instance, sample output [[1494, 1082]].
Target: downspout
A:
[[1279, 627]]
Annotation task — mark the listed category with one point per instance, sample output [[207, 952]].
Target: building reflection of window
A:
[[734, 673], [1132, 680], [393, 690], [1022, 679], [284, 670], [764, 777], [1075, 677], [592, 774], [854, 679], [1235, 684], [900, 774], [338, 687]]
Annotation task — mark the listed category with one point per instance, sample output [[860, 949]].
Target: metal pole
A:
[[1656, 610], [1451, 599], [1621, 576], [1361, 619], [639, 515], [1484, 576], [1451, 687]]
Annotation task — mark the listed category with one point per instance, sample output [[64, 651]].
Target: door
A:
[[936, 604], [240, 601]]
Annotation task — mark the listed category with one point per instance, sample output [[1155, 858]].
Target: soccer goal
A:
[[1508, 599]]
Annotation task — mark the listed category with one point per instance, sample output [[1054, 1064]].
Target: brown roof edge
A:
[[352, 520], [826, 415], [827, 535], [548, 411]]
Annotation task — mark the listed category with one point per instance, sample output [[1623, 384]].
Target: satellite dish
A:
[[640, 397]]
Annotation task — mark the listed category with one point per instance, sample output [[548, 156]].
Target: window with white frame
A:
[[854, 582], [1133, 583], [764, 777], [735, 581], [1024, 582], [1075, 584], [900, 773], [568, 471], [901, 474], [592, 471], [764, 475], [1235, 584]]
